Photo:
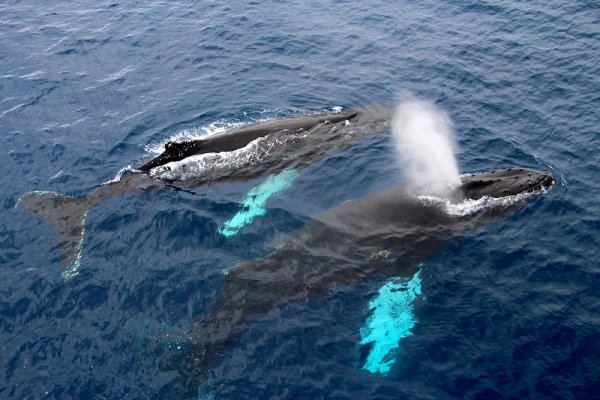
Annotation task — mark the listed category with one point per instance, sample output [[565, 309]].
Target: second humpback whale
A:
[[385, 234], [242, 153]]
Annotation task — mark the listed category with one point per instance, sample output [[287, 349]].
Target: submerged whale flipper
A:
[[67, 215]]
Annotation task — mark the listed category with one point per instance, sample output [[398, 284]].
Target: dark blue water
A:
[[510, 310]]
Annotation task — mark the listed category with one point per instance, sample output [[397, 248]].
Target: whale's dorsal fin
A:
[[174, 151]]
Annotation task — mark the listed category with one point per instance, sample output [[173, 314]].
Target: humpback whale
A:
[[242, 153], [385, 234]]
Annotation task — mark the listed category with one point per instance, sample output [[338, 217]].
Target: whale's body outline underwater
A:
[[242, 153], [383, 235]]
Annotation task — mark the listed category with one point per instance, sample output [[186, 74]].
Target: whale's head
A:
[[502, 183]]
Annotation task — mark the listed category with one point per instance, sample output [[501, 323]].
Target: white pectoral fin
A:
[[255, 200], [391, 318]]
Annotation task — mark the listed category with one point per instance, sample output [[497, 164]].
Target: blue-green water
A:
[[87, 88]]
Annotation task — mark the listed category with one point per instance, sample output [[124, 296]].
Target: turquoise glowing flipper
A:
[[255, 200], [392, 319]]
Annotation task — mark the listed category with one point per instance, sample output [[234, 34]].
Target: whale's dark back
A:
[[240, 137]]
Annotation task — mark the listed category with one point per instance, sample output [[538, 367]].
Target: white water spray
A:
[[425, 146]]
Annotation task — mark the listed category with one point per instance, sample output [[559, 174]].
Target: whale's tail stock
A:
[[67, 215]]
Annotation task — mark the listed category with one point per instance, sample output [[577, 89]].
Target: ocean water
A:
[[88, 88]]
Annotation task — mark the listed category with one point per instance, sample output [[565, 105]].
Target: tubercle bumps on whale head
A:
[[505, 182]]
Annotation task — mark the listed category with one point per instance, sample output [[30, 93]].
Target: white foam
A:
[[221, 126], [214, 128], [199, 165], [122, 171], [470, 206]]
